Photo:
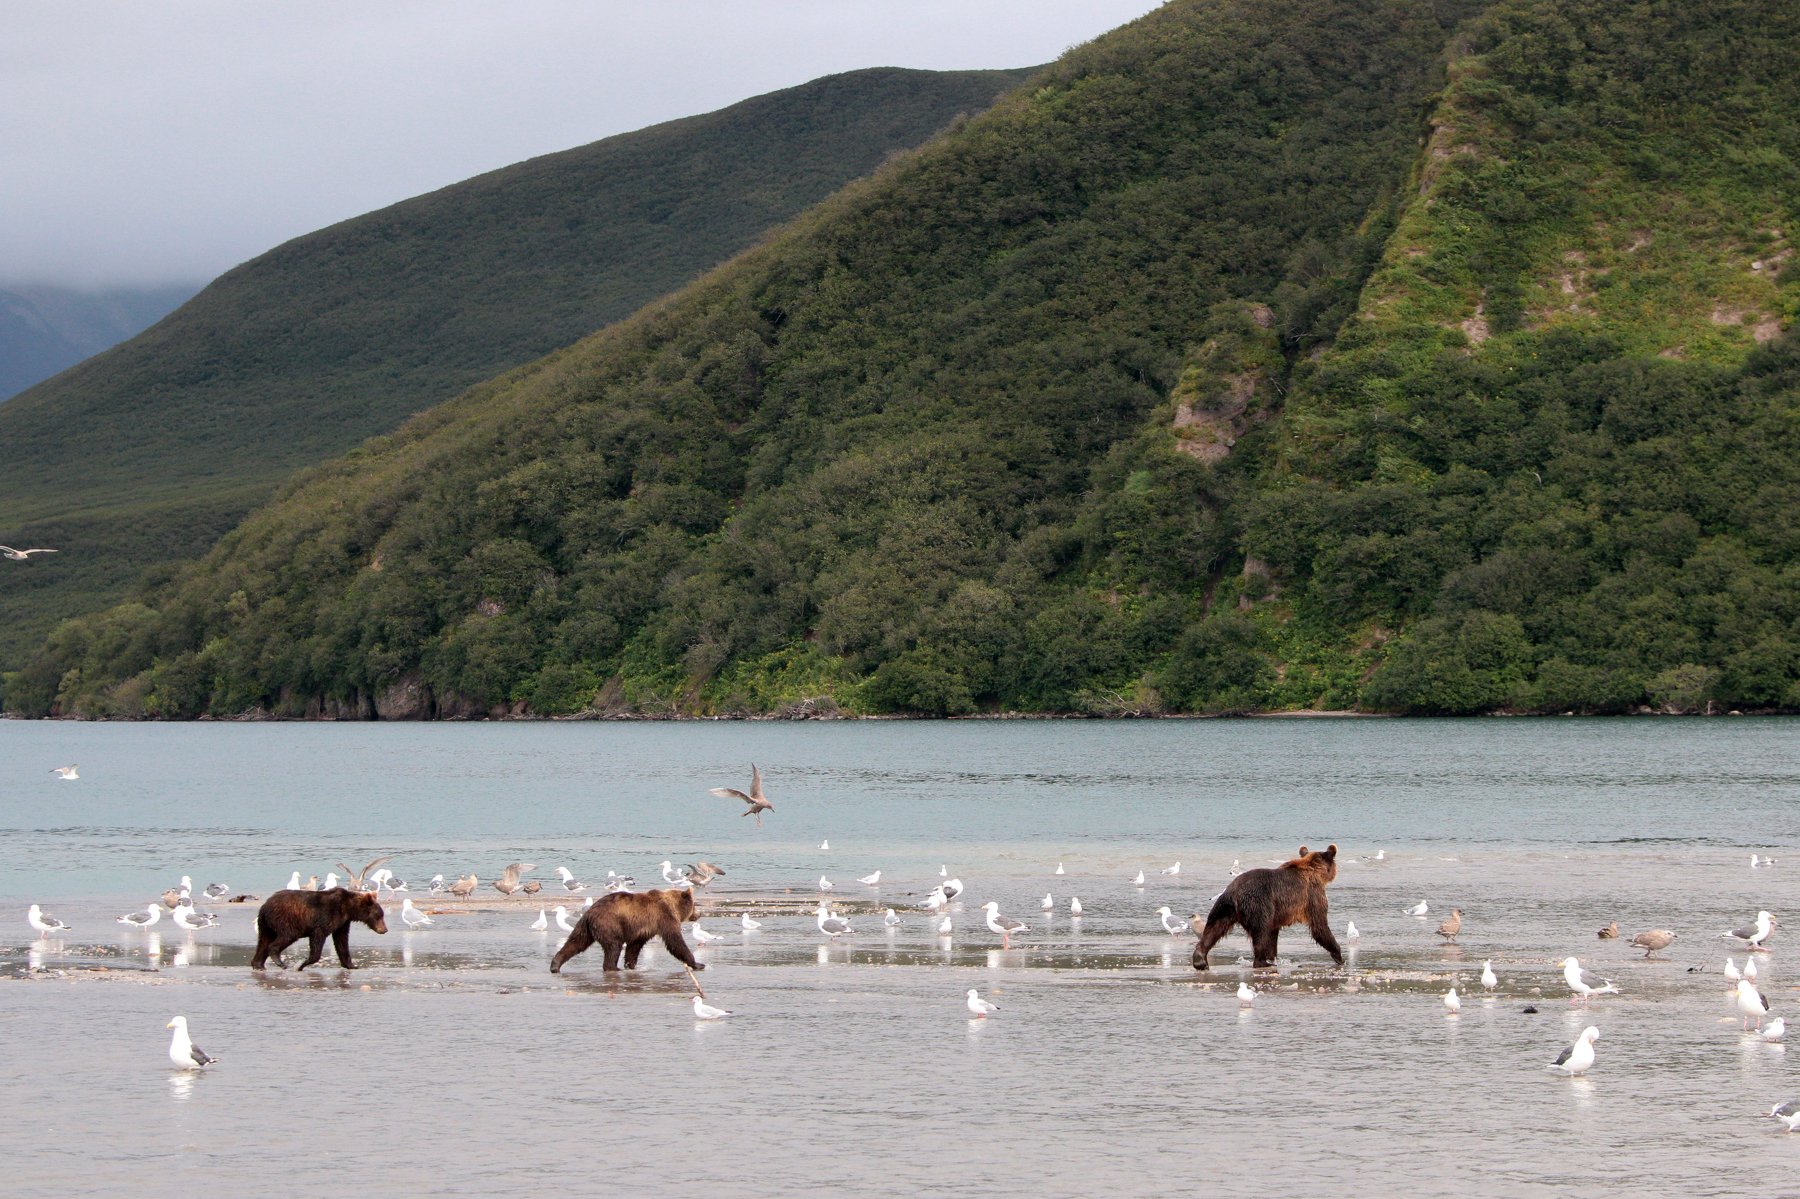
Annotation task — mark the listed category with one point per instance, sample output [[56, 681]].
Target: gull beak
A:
[[170, 1024]]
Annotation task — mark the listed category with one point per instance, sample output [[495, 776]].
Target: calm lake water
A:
[[454, 1061]]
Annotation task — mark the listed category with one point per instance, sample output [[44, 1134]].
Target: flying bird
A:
[[1004, 925], [8, 551], [1652, 940], [508, 882], [757, 801], [706, 1011], [354, 878], [66, 772], [182, 1051], [702, 873], [1583, 984], [1578, 1057], [1452, 925], [43, 921], [979, 1006]]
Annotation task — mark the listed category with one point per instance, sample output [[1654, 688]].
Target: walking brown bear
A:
[[286, 916], [1266, 900], [626, 920]]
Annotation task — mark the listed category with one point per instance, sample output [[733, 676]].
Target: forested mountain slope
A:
[[144, 455], [1367, 353]]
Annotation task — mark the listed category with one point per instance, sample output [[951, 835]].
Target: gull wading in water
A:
[[1775, 1029], [1139, 880], [832, 926], [562, 922], [1753, 935], [891, 919], [1075, 905], [1170, 924], [1652, 940], [1172, 870], [66, 772], [1004, 925], [1059, 868], [182, 1051], [1731, 972], [748, 924], [1350, 933], [952, 888], [412, 917], [438, 885], [944, 928], [1049, 904], [1246, 994], [542, 923], [1451, 925], [706, 1011], [1610, 931], [1749, 967], [43, 921], [7, 551], [1489, 979], [824, 883], [1452, 1002], [1578, 1057], [1584, 984], [186, 917], [1751, 1002], [570, 883], [758, 802], [703, 936], [1420, 910], [869, 880], [143, 919], [979, 1006]]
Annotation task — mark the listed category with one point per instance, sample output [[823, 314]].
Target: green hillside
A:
[[1370, 353], [144, 455]]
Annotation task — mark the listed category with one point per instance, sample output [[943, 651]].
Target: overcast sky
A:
[[167, 140]]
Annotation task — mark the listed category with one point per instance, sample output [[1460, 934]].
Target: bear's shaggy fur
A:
[[1266, 900], [286, 916], [626, 920]]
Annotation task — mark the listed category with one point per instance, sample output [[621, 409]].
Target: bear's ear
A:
[[1302, 852], [1330, 850]]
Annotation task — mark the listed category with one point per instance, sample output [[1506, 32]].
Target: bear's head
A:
[[364, 908], [1322, 866], [681, 902]]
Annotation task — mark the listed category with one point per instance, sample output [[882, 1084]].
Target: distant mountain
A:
[[143, 455], [45, 329]]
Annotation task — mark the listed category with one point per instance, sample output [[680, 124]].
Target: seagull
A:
[[1169, 923], [1246, 994], [1381, 855], [1610, 931], [1652, 940], [1780, 1110], [1451, 926], [1420, 910], [1059, 868], [562, 922], [1753, 935], [701, 873], [1756, 862], [143, 919], [1489, 979], [1139, 880], [1236, 869], [824, 883], [934, 899], [183, 1052], [1579, 1056], [1749, 967], [186, 917], [832, 926], [542, 923], [43, 921], [619, 882], [571, 884], [1172, 870], [891, 919], [464, 886], [943, 871], [1775, 1029], [331, 880], [293, 883], [1075, 906], [20, 555], [508, 882], [758, 803], [66, 772], [869, 880], [1351, 933], [669, 873], [354, 878], [706, 1011], [1732, 973], [1751, 1002], [701, 935], [1584, 984], [750, 925], [412, 917], [979, 1006], [1004, 925], [944, 927], [312, 882], [1049, 904], [1452, 1001], [437, 884], [825, 844], [952, 888], [216, 891]]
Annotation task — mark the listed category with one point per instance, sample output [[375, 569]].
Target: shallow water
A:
[[453, 1060]]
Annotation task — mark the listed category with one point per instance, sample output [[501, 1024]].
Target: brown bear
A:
[[286, 916], [626, 920], [1264, 901]]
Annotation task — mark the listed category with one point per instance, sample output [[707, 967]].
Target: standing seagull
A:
[[1246, 994], [952, 888], [749, 925], [542, 923], [143, 919], [1419, 910], [706, 1011], [1139, 880], [44, 920], [1452, 1002], [1351, 933], [832, 926], [1170, 924], [757, 801], [464, 886], [186, 917], [1775, 1029], [412, 917], [891, 919], [869, 880], [1075, 905], [979, 1006], [1049, 904], [8, 551], [1451, 926], [1175, 869], [1653, 940], [1584, 984], [1579, 1056], [1489, 979], [1753, 935], [1004, 925], [66, 772], [183, 1052], [1751, 1002], [571, 884]]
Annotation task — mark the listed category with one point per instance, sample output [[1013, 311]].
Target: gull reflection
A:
[[181, 1084], [153, 948]]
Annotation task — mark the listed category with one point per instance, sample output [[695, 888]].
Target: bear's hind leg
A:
[[1262, 944], [578, 942], [634, 947], [1219, 921], [612, 947]]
